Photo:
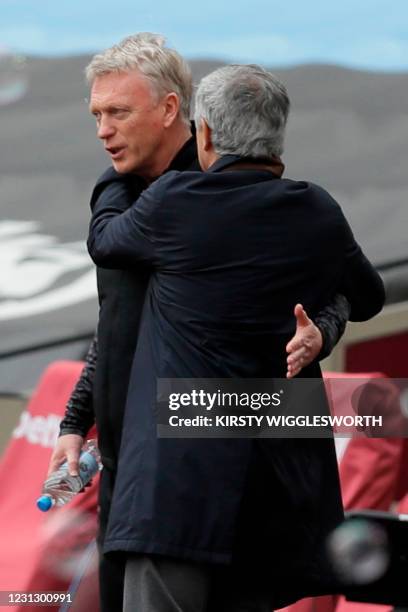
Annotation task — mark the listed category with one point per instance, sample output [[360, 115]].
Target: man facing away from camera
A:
[[140, 94]]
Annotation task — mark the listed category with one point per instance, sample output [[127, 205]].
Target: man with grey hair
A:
[[249, 108], [200, 520], [140, 96]]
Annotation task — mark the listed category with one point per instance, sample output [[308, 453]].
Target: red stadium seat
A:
[[43, 551]]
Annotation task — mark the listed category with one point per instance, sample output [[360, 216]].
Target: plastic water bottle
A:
[[60, 487]]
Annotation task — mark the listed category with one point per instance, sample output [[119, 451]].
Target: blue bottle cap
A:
[[44, 503]]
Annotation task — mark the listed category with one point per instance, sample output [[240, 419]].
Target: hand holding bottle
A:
[[62, 484]]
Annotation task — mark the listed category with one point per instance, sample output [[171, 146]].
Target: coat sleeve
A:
[[361, 284], [121, 236], [332, 321], [79, 414]]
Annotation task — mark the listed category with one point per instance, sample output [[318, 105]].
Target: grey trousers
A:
[[161, 584]]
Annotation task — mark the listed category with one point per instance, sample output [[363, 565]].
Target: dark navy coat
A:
[[231, 252], [121, 298]]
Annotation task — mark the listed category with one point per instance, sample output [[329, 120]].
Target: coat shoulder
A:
[[174, 182], [313, 191]]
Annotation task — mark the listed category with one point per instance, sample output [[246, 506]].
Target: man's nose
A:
[[105, 128]]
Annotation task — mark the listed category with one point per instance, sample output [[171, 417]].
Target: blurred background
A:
[[345, 65]]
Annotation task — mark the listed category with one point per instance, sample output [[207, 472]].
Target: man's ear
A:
[[206, 135], [171, 104]]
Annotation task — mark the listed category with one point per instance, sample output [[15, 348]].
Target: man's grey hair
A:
[[246, 108], [164, 68]]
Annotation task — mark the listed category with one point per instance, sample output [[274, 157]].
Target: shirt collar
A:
[[186, 158]]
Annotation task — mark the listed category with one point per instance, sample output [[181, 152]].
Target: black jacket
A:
[[102, 388], [231, 253]]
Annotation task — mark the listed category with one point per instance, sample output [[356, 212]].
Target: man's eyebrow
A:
[[109, 109]]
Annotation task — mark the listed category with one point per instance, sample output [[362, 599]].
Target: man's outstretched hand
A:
[[305, 345]]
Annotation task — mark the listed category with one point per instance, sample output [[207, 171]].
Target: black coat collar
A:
[[227, 160], [224, 162]]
